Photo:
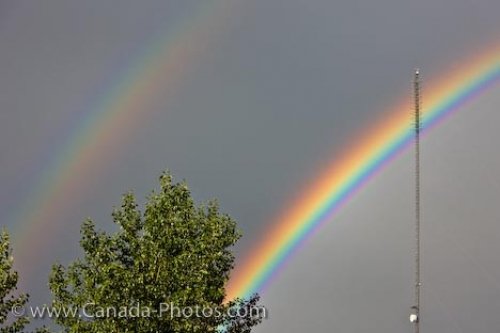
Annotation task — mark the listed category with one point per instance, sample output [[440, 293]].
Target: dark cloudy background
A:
[[282, 89]]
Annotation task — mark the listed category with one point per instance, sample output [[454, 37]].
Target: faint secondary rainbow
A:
[[157, 72], [346, 176]]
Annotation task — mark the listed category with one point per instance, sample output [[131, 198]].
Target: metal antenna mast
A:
[[415, 313]]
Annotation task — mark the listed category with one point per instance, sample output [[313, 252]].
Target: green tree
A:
[[8, 287], [174, 254]]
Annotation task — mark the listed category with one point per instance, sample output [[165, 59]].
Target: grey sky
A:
[[283, 89]]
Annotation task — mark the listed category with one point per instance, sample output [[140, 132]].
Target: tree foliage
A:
[[174, 253], [8, 286]]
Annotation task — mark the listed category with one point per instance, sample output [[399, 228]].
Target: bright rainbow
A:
[[160, 70], [345, 177]]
